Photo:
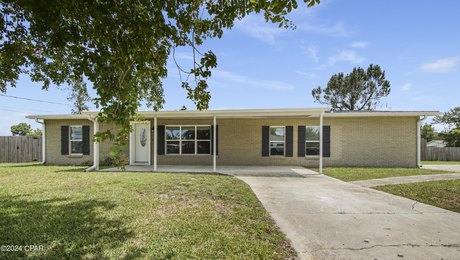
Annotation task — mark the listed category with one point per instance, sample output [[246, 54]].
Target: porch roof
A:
[[250, 113]]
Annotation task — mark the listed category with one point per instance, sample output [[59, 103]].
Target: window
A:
[[76, 139], [188, 139], [312, 141], [277, 140]]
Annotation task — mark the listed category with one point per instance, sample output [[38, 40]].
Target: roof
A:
[[251, 113]]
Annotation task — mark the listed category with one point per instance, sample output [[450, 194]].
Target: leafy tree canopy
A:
[[21, 129], [122, 47], [35, 133], [359, 90], [450, 118], [78, 96], [428, 132]]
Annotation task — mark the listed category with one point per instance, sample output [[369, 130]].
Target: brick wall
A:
[[359, 141]]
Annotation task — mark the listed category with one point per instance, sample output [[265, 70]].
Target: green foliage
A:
[[359, 90], [428, 132], [35, 133], [443, 194], [78, 96], [21, 129], [452, 138], [450, 118], [122, 47], [118, 157]]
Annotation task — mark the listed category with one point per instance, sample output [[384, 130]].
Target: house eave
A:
[[251, 113]]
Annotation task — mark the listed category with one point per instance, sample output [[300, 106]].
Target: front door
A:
[[141, 143]]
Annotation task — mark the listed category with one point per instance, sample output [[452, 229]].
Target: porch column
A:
[[96, 145], [214, 146], [155, 142], [321, 143]]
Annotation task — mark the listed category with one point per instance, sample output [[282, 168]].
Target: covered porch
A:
[[152, 156]]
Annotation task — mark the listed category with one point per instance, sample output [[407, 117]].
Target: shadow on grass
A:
[[66, 229]]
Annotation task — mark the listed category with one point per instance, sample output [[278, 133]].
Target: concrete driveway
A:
[[329, 219], [443, 167]]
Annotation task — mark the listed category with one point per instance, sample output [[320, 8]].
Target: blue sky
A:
[[262, 66]]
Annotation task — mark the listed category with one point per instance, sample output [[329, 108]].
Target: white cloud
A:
[[257, 27], [306, 74], [406, 87], [346, 55], [337, 29], [220, 76], [313, 52], [359, 44], [183, 56], [441, 65]]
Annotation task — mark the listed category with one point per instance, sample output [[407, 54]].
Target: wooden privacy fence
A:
[[19, 149], [441, 154]]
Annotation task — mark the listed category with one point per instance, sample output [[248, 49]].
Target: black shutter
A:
[[217, 139], [161, 139], [86, 140], [289, 140], [265, 140], [64, 140], [301, 141], [326, 141]]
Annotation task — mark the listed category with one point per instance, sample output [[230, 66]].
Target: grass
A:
[[133, 215], [355, 174], [443, 194], [441, 162]]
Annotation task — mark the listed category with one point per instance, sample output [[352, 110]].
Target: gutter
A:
[[419, 125], [43, 140], [95, 166]]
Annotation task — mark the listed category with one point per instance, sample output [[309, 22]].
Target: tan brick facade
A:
[[355, 141]]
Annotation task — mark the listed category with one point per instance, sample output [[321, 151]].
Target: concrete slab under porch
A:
[[263, 171]]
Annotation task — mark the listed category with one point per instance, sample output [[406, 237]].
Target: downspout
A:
[[95, 165], [43, 140], [419, 125]]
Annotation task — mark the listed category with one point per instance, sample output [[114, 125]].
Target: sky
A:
[[262, 66]]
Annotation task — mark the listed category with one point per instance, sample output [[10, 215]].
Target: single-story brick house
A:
[[300, 136]]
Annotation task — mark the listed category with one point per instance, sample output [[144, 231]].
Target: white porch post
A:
[[96, 145], [155, 142], [214, 146], [321, 143]]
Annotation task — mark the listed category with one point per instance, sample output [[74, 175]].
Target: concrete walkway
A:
[[407, 179], [444, 167], [329, 219]]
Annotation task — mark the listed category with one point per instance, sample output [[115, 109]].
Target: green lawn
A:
[[108, 215], [443, 194], [441, 162], [355, 174]]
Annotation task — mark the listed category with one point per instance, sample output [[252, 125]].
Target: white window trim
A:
[[270, 141], [70, 139], [196, 140], [310, 141]]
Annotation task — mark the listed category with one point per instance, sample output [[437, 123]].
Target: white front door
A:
[[140, 141]]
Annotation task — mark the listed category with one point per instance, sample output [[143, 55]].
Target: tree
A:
[[21, 129], [122, 47], [35, 133], [78, 96], [452, 138], [450, 118], [428, 132], [359, 90]]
